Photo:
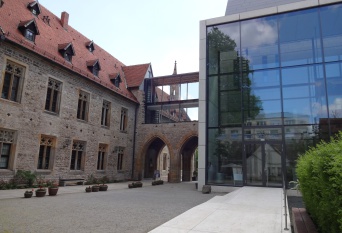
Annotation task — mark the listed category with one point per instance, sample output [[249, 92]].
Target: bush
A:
[[319, 172], [26, 177]]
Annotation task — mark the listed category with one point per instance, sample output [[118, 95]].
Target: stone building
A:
[[69, 109]]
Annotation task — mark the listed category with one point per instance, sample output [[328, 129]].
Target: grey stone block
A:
[[206, 189]]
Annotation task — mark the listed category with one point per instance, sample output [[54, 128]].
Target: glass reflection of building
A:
[[273, 89]]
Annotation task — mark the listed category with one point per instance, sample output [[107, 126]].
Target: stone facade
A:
[[29, 120]]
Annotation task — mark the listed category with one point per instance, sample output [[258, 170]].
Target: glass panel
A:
[[331, 18], [298, 139], [213, 108], [273, 171], [230, 108], [223, 48], [304, 94], [6, 86], [254, 165], [261, 134], [299, 35], [261, 96], [259, 42], [225, 156]]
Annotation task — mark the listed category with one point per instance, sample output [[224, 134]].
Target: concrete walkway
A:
[[246, 210]]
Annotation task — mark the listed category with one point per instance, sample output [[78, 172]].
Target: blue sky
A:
[[143, 31]]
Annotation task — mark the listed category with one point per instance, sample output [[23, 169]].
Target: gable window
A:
[[45, 152], [34, 8], [82, 108], [6, 141], [101, 157], [120, 159], [105, 113], [77, 155], [53, 96], [90, 46], [115, 79], [13, 82], [94, 67], [123, 120], [29, 29]]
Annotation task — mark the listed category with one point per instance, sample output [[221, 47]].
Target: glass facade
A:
[[273, 90]]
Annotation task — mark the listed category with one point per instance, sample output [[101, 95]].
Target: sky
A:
[[159, 32]]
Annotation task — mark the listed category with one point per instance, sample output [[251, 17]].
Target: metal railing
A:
[[285, 203]]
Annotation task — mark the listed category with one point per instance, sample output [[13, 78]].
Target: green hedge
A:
[[319, 172]]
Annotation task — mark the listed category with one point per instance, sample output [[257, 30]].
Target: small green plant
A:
[[26, 177]]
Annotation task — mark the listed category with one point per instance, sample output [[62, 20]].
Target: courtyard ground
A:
[[117, 210]]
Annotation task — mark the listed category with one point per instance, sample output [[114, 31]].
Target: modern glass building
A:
[[272, 88]]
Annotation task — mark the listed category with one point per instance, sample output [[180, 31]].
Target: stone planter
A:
[[88, 189], [28, 194], [40, 192], [103, 187], [53, 191], [95, 188]]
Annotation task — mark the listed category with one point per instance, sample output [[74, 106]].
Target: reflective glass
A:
[[223, 48], [213, 101], [225, 156], [299, 36], [304, 96], [259, 42], [261, 95], [331, 18]]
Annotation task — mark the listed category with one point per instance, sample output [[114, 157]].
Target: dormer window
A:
[[67, 51], [115, 79], [1, 3], [34, 8], [29, 29], [94, 67], [90, 46]]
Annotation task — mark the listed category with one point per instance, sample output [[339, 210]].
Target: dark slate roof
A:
[[51, 35], [135, 74]]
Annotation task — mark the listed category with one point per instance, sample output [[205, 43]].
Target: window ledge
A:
[[82, 121], [43, 171], [51, 113], [6, 171], [105, 127], [101, 171], [10, 101]]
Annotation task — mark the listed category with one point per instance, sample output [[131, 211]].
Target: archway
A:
[[188, 158], [155, 156]]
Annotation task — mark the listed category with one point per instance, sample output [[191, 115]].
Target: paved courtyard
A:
[[117, 210]]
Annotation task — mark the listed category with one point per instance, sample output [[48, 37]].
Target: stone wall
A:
[[29, 120]]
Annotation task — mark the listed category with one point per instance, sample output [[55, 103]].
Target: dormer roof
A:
[[135, 74], [34, 7], [29, 24], [90, 46]]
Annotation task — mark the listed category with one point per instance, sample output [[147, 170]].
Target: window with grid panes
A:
[[6, 141], [101, 157], [12, 81], [53, 96], [78, 149], [105, 113], [82, 108], [45, 152]]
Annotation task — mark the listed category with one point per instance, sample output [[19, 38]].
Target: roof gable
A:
[[29, 24], [34, 7], [135, 74]]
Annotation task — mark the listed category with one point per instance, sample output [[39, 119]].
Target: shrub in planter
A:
[[319, 173], [88, 189], [157, 182], [130, 186], [137, 184], [41, 192], [28, 194], [95, 188]]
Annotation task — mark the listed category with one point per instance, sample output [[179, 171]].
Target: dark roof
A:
[[135, 74], [53, 35]]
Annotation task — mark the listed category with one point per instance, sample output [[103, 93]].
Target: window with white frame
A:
[[101, 157], [6, 141], [45, 152], [77, 155], [13, 81], [53, 96], [83, 105], [123, 120]]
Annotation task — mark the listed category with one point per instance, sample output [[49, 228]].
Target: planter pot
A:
[[40, 193], [103, 187], [130, 186], [88, 190], [28, 195], [95, 188], [53, 191]]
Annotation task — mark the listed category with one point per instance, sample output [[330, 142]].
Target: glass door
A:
[[263, 164]]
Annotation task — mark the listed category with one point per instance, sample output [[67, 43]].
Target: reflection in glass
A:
[[331, 18], [299, 36], [259, 42], [225, 156], [304, 94]]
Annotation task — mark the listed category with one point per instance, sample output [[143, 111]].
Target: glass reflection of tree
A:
[[234, 84]]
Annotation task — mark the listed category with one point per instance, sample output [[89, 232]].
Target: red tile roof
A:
[[51, 35], [135, 74]]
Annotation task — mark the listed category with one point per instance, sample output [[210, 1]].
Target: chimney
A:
[[64, 20]]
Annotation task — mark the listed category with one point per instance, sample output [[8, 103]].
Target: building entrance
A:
[[263, 164]]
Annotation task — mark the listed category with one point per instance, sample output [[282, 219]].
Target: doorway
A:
[[263, 163]]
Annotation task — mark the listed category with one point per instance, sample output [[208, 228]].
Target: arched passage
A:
[[188, 158], [154, 157]]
